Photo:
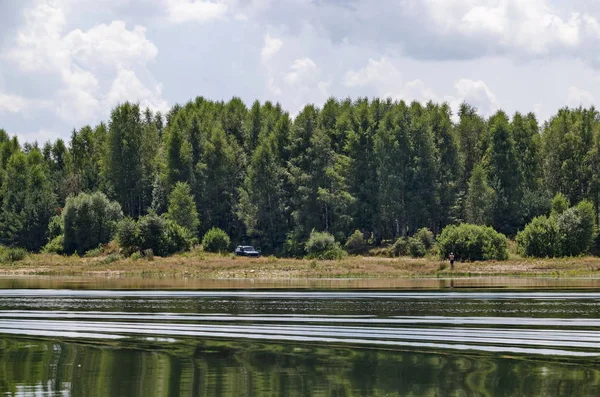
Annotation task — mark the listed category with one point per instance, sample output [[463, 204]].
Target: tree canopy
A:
[[385, 168]]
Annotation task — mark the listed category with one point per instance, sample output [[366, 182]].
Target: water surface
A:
[[352, 342]]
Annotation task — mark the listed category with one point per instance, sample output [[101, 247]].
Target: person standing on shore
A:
[[451, 257]]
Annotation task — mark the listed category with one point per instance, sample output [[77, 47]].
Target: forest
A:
[[385, 168]]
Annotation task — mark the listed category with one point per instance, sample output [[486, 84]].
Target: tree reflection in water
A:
[[220, 368]]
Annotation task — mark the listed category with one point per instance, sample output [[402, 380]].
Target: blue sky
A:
[[66, 63]]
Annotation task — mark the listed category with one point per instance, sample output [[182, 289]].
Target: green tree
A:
[[90, 220], [28, 201], [479, 199], [504, 175], [392, 152], [262, 197], [472, 140], [217, 183], [448, 165], [362, 174], [182, 208], [423, 201], [123, 165]]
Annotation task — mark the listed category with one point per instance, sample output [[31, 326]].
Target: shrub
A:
[[540, 238], [400, 247], [356, 244], [137, 255], [416, 248], [93, 253], [216, 240], [560, 204], [127, 236], [473, 243], [176, 239], [293, 246], [55, 227], [587, 232], [110, 259], [55, 246], [322, 245], [151, 232], [569, 234], [148, 254], [425, 236], [10, 255], [89, 220], [576, 228]]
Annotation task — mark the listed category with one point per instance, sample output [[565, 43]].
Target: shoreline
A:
[[200, 265]]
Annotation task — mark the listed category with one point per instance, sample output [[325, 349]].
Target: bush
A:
[[322, 245], [293, 246], [93, 253], [540, 238], [127, 236], [151, 232], [560, 204], [216, 240], [10, 255], [416, 248], [400, 247], [472, 243], [90, 220], [356, 244], [55, 227], [110, 259], [176, 239], [55, 246], [426, 237], [569, 234], [576, 228]]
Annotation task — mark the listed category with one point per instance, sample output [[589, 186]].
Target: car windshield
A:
[[248, 248]]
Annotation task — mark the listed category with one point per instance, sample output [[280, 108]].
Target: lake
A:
[[469, 337]]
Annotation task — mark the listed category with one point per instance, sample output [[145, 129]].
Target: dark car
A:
[[247, 250]]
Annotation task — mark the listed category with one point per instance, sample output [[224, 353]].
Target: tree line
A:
[[386, 168]]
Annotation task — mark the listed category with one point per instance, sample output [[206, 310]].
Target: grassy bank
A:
[[198, 264]]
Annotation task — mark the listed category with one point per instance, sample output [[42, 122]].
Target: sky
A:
[[65, 64]]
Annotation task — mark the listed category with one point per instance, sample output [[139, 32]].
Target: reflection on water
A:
[[292, 343], [207, 368], [169, 283]]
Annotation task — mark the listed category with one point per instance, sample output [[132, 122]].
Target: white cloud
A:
[[387, 81], [181, 11], [301, 70], [579, 97], [379, 73], [85, 61], [297, 84], [478, 94], [271, 47], [40, 136], [110, 44], [532, 27], [38, 43], [385, 78], [12, 103], [128, 87]]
